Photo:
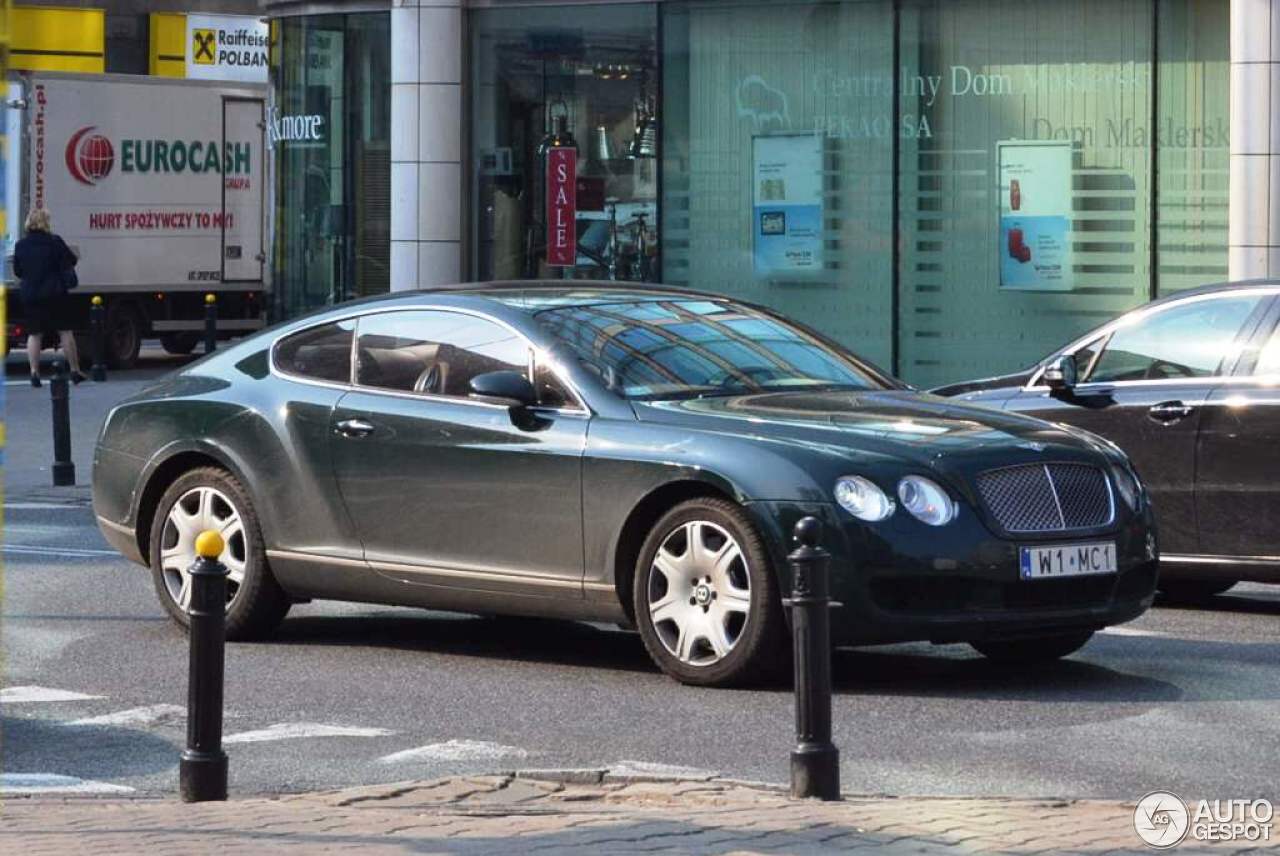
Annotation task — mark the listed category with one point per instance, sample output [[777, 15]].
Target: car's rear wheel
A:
[[1036, 649], [706, 599], [1192, 591], [210, 498]]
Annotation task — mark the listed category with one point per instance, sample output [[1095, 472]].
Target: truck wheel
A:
[[180, 344], [123, 336]]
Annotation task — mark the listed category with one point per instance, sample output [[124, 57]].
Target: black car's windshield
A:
[[691, 347]]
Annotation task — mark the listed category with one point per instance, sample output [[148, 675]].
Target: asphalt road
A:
[[1182, 699]]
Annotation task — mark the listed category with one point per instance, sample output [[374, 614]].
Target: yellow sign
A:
[[204, 45]]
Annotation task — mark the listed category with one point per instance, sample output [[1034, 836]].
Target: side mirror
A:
[[1061, 374], [508, 388]]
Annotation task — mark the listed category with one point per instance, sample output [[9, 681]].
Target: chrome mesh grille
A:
[[1047, 497]]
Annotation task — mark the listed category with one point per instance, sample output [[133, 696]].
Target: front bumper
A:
[[904, 581]]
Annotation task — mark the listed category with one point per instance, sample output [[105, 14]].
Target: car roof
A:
[[538, 294], [1210, 289]]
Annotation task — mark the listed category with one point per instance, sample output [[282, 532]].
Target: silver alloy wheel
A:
[[195, 511], [699, 593]]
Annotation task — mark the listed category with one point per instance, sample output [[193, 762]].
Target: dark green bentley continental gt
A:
[[618, 453]]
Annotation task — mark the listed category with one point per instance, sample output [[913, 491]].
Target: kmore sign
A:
[[299, 128]]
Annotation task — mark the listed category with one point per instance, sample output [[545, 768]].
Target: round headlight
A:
[[1127, 485], [927, 501], [861, 498]]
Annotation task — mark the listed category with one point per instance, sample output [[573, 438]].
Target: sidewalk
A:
[[573, 812]]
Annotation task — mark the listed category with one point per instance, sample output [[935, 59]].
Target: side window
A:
[[322, 353], [433, 352], [551, 391], [1269, 357], [1190, 340]]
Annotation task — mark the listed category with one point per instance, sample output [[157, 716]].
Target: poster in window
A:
[[787, 171], [1035, 215]]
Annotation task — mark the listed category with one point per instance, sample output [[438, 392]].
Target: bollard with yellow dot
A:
[[209, 544], [97, 334], [202, 772], [210, 323]]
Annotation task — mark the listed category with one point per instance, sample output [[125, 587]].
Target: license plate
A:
[[1068, 560]]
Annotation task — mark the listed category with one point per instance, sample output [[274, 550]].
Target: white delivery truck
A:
[[158, 185]]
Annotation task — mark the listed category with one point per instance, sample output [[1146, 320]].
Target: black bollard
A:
[[210, 323], [202, 773], [97, 328], [64, 470], [815, 762]]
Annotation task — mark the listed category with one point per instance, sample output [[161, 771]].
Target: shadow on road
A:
[[565, 643], [88, 752], [916, 670], [1229, 603]]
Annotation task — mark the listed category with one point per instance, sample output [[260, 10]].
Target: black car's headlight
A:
[[927, 501], [862, 498], [1128, 485]]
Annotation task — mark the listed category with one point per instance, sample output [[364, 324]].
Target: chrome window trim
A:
[[1138, 315], [582, 409]]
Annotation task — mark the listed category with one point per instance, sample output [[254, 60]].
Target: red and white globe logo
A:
[[90, 156]]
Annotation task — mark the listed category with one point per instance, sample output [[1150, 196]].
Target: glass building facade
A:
[[951, 188], [330, 127]]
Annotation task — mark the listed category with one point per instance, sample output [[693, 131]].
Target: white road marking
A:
[[1132, 631], [295, 730], [70, 552], [29, 695], [456, 750], [51, 783], [135, 717], [40, 506]]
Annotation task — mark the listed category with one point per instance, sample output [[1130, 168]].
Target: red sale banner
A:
[[562, 207]]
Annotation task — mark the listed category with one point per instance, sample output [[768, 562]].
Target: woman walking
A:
[[45, 267]]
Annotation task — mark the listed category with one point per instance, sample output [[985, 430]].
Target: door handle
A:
[[354, 428], [1169, 412]]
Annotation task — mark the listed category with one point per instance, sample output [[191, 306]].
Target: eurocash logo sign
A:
[[91, 155], [227, 47]]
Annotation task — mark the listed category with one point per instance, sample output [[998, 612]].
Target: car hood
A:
[[912, 427], [1013, 380]]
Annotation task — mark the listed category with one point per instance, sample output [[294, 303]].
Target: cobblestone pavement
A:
[[575, 813]]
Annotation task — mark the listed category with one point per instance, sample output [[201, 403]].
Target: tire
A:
[[255, 602], [1029, 651], [741, 591], [1192, 591], [179, 344], [122, 338]]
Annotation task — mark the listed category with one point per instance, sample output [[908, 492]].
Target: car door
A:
[[445, 490], [1144, 385], [1238, 457]]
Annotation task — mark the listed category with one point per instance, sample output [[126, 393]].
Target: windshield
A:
[[687, 348]]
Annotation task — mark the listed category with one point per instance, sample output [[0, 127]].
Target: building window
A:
[[1020, 173], [330, 128], [583, 80]]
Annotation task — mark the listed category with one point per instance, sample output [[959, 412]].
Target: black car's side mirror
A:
[[507, 388], [1061, 374]]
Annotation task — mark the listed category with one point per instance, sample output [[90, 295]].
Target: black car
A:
[[618, 453], [1189, 387]]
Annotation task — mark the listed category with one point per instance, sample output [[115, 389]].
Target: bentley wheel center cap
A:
[[702, 594]]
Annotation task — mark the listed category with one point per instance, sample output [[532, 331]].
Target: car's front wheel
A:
[[706, 599], [210, 498], [1037, 649]]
